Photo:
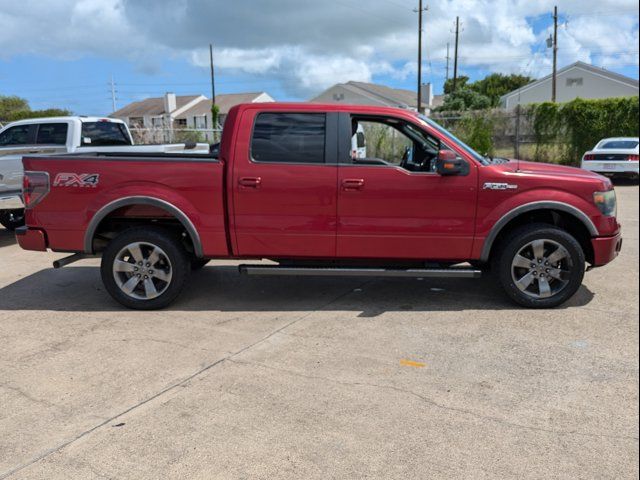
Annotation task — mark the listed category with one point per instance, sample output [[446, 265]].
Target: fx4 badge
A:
[[499, 186], [76, 180]]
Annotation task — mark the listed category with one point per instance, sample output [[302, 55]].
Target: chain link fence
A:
[[151, 136], [500, 133]]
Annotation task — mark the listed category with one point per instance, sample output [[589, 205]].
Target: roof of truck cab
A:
[[63, 119]]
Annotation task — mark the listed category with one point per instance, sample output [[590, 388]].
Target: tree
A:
[[465, 99], [461, 82], [9, 105], [14, 108], [480, 94], [496, 85]]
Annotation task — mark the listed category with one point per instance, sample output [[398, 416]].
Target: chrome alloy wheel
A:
[[142, 270], [541, 268]]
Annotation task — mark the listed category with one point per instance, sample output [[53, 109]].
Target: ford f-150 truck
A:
[[56, 135], [286, 186]]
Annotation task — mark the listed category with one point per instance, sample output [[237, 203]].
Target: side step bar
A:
[[359, 272]]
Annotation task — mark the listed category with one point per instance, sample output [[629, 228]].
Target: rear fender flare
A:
[[140, 200]]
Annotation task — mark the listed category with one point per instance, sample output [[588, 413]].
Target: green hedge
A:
[[578, 125]]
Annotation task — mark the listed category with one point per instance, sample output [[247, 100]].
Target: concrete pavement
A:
[[274, 378]]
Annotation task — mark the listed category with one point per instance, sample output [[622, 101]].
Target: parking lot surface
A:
[[308, 378]]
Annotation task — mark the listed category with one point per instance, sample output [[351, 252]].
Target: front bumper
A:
[[11, 201], [606, 249], [31, 239]]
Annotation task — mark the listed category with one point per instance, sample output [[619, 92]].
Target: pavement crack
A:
[[440, 406], [172, 387]]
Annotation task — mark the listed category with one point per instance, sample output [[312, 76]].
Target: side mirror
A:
[[448, 163]]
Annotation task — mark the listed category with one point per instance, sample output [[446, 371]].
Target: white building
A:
[[579, 80], [183, 111]]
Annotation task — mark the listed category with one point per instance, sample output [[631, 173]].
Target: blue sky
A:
[[71, 67]]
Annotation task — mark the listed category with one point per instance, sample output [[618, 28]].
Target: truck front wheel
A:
[[145, 268], [540, 266]]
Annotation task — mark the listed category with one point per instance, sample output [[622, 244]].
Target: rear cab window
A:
[[289, 138], [104, 134]]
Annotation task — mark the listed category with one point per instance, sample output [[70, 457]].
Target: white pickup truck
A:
[[62, 135]]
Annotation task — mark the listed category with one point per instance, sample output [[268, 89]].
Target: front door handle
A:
[[250, 182], [353, 184]]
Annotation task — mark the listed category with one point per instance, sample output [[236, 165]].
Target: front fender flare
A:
[[529, 207]]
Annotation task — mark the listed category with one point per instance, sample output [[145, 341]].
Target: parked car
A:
[[613, 156], [60, 135], [285, 187]]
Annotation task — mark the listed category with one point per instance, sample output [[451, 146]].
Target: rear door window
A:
[[104, 134], [52, 134], [15, 136], [289, 138]]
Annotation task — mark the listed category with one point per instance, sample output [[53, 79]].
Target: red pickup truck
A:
[[288, 185]]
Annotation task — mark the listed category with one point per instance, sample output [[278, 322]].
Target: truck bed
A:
[[192, 184]]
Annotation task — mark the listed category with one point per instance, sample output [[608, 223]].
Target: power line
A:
[[455, 56], [555, 54], [419, 92], [113, 94]]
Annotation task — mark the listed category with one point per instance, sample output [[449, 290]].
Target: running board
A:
[[359, 272]]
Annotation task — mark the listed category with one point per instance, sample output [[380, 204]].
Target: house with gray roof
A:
[[199, 115], [361, 93], [158, 112], [578, 80], [183, 111]]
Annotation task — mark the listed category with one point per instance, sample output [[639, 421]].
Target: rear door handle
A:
[[353, 184], [250, 182]]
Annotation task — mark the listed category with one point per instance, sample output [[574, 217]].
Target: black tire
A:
[[552, 289], [198, 263], [12, 219], [167, 274]]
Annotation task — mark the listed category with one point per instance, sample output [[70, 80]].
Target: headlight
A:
[[606, 202]]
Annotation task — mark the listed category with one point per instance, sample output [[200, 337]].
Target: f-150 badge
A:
[[499, 186], [76, 180]]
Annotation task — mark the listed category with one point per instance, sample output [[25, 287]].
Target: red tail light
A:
[[589, 157], [35, 186], [632, 158]]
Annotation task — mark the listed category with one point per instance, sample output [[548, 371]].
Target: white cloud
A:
[[307, 45]]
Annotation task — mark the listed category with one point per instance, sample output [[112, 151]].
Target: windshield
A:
[[447, 134], [104, 134]]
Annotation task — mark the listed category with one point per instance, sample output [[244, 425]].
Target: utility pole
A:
[[420, 10], [213, 82], [113, 95], [455, 56], [555, 54], [448, 58]]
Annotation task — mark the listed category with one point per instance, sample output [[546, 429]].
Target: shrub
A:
[[580, 124], [476, 130]]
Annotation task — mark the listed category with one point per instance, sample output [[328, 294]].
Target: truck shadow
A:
[[6, 237], [222, 288]]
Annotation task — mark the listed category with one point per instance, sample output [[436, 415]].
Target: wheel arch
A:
[[104, 212], [577, 222]]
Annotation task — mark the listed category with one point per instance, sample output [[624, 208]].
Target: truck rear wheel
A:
[[145, 268], [540, 266]]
